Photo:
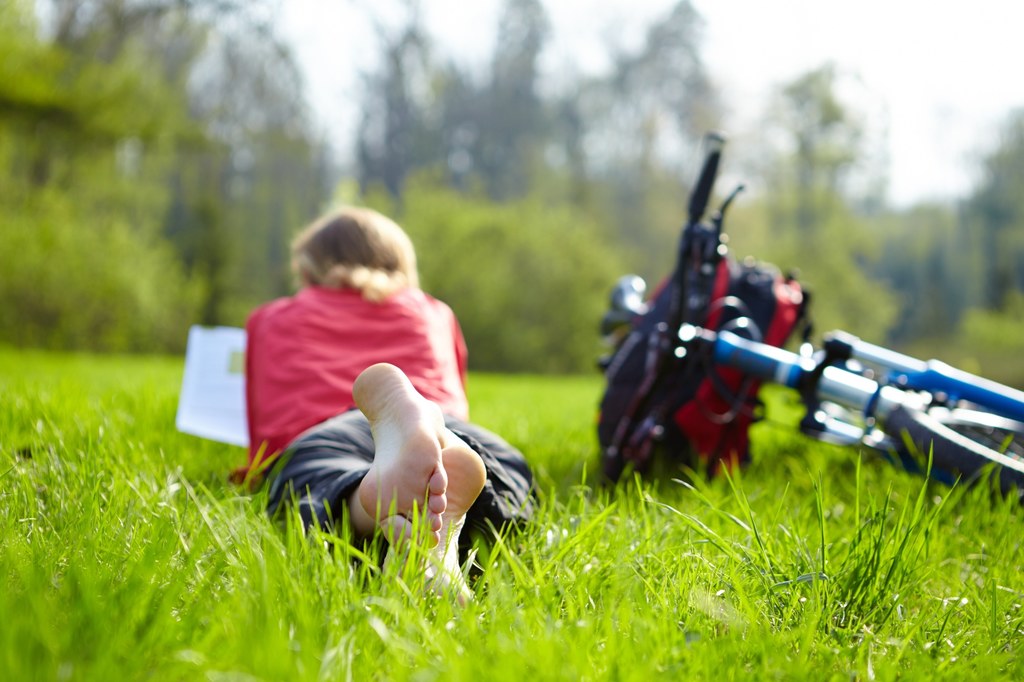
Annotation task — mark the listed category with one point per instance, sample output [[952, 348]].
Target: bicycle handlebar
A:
[[706, 181], [780, 366], [879, 394]]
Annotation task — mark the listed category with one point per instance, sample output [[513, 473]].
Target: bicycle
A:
[[854, 393]]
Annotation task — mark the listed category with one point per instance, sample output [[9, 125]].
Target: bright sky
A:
[[936, 77]]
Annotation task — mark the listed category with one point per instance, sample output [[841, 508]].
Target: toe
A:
[[437, 503], [438, 483], [434, 522], [397, 529]]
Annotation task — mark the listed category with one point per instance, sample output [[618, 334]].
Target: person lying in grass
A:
[[357, 407]]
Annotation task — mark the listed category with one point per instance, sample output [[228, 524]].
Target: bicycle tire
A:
[[963, 442]]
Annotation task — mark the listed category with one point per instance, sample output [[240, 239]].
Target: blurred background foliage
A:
[[156, 156]]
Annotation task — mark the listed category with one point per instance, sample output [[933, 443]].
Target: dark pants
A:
[[323, 467]]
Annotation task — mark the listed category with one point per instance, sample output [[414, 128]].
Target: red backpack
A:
[[659, 399]]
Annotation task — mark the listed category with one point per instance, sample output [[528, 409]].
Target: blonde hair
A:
[[356, 248]]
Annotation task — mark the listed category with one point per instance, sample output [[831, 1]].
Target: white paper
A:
[[212, 400]]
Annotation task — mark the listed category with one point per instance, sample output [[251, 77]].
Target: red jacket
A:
[[304, 353]]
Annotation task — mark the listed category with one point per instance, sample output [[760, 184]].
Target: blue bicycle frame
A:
[[891, 380]]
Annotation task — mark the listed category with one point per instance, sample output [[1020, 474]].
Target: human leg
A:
[[321, 469], [328, 473]]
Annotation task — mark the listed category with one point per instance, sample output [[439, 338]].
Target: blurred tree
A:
[[261, 164], [606, 149], [957, 265], [419, 114], [661, 95], [84, 147], [528, 280], [996, 216], [992, 339], [919, 260], [247, 120], [392, 128], [134, 121], [513, 128], [648, 112], [805, 221], [824, 142], [641, 129], [835, 263]]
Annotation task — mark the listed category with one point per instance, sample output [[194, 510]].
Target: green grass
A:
[[125, 555]]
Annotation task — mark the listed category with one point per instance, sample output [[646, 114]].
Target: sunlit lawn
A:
[[125, 555]]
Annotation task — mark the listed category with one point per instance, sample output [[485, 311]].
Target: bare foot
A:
[[407, 477], [419, 468], [466, 477]]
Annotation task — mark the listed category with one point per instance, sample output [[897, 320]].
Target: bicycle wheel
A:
[[964, 442]]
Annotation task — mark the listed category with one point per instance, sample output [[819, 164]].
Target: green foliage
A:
[[73, 279], [959, 268], [998, 331], [494, 123], [140, 193], [829, 261], [986, 342], [81, 261], [155, 156], [997, 215], [924, 259], [124, 555], [528, 280]]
